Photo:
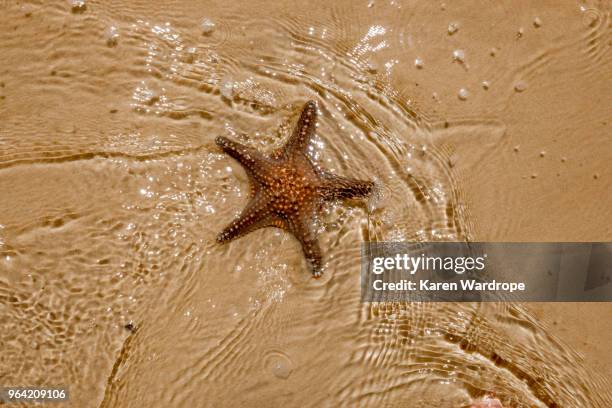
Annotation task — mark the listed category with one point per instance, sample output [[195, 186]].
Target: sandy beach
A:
[[476, 121]]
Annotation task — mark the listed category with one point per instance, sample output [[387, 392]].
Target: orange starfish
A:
[[288, 189]]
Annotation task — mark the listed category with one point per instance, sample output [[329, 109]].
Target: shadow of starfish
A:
[[288, 189]]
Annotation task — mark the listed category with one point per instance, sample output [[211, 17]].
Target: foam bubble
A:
[[537, 23], [520, 86], [78, 6], [227, 88], [453, 28], [207, 26], [279, 365], [372, 66], [112, 36], [459, 56]]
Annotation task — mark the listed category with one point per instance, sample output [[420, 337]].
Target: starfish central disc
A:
[[288, 189]]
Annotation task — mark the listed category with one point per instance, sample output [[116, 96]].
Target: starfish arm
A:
[[256, 215], [303, 230], [304, 130], [255, 163], [338, 187]]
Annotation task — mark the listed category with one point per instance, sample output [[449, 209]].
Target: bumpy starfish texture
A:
[[288, 189]]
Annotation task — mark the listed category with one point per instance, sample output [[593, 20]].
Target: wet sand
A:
[[484, 123]]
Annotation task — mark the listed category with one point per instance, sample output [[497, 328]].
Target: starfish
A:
[[288, 189]]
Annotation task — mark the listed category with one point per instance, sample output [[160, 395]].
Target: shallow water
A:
[[485, 123]]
